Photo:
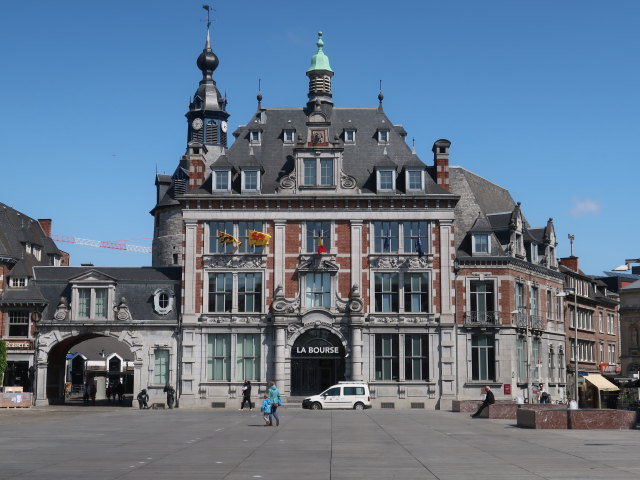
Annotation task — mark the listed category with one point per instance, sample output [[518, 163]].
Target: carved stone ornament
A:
[[235, 261], [400, 261], [347, 181], [232, 319], [413, 320], [353, 304], [280, 304], [318, 263], [292, 328], [288, 182], [62, 309], [122, 310]]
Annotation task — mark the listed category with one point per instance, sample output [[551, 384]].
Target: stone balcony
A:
[[482, 319]]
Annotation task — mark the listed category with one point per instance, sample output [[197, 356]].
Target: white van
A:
[[344, 395]]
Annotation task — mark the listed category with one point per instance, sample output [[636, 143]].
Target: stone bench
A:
[[585, 419], [470, 406], [509, 411]]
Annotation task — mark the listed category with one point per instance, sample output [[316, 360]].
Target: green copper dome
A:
[[320, 61]]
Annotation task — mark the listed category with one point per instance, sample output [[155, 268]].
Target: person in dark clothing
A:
[[143, 398], [246, 395], [489, 399]]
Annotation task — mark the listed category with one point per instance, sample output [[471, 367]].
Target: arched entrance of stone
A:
[[317, 362], [97, 360]]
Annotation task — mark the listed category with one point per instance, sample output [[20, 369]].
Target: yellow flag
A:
[[225, 238], [258, 239]]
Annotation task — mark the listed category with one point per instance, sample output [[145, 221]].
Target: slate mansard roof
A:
[[136, 284]]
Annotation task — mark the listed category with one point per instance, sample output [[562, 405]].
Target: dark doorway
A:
[[317, 362]]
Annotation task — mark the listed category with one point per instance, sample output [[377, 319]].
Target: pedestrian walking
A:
[[267, 409], [489, 399], [246, 395], [143, 398], [85, 393], [274, 395], [543, 395]]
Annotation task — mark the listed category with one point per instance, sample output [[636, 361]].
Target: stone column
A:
[[280, 357], [189, 271], [356, 253], [356, 354], [41, 384]]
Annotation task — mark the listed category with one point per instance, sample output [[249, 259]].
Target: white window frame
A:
[[235, 292], [401, 291], [318, 171], [379, 171], [243, 173], [23, 314], [155, 366], [303, 286], [27, 248], [289, 136], [611, 354], [383, 136], [214, 180], [157, 296], [408, 180], [18, 282], [37, 252], [255, 137], [93, 286], [474, 244], [350, 132]]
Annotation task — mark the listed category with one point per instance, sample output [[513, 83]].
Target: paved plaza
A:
[[95, 443]]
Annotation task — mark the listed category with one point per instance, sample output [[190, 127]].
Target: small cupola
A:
[[320, 74]]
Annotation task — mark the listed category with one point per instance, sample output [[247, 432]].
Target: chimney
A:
[[570, 262], [441, 161], [45, 223]]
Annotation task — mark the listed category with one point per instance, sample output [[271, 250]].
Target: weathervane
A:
[[208, 9]]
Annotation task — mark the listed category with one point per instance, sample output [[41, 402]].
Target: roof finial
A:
[[380, 97], [413, 144], [208, 9], [259, 96]]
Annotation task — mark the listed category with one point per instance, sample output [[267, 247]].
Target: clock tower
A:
[[207, 115]]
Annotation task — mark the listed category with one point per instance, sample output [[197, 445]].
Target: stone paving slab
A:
[[113, 443]]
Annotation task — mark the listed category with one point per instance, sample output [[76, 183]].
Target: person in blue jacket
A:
[[274, 395], [266, 409]]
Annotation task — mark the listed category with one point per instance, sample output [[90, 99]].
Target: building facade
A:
[[24, 244]]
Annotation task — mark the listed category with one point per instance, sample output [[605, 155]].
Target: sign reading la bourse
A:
[[313, 350]]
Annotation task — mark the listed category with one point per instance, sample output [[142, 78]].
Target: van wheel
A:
[[316, 406], [358, 406]]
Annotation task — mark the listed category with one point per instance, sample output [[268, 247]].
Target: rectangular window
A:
[[84, 302], [535, 304], [386, 357], [385, 237], [310, 177], [254, 137], [536, 359], [534, 252], [101, 303], [549, 305], [480, 243], [17, 282], [383, 136], [221, 180], [315, 230], [250, 180], [522, 359], [612, 354], [416, 357], [243, 236], [318, 290], [248, 357], [483, 362], [414, 179], [288, 136], [161, 367], [519, 296], [386, 180], [412, 231], [214, 231], [349, 136], [611, 323], [482, 300], [18, 324], [250, 292], [600, 323], [219, 357], [386, 292], [602, 358], [220, 289], [326, 172], [559, 309], [416, 292]]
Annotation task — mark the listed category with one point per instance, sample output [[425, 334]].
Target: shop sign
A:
[[311, 350], [19, 345]]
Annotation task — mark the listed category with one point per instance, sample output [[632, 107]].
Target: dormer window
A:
[[415, 180], [250, 180], [350, 136], [221, 180], [383, 136], [288, 136], [254, 137], [318, 172], [27, 248], [386, 181], [480, 243], [18, 282], [92, 303], [37, 252], [534, 252]]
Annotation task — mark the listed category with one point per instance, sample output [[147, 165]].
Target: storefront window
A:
[[386, 357]]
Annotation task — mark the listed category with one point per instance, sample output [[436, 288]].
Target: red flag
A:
[[321, 248]]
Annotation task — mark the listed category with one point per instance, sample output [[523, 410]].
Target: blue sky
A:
[[541, 98]]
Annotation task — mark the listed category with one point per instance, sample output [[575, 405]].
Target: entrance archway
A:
[[87, 359], [317, 362]]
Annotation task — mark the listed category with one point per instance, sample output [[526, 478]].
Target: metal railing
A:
[[482, 318], [537, 322]]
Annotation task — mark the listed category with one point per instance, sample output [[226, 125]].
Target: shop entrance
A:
[[317, 362]]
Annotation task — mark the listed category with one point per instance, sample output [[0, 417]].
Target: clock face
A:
[[197, 124], [223, 126]]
